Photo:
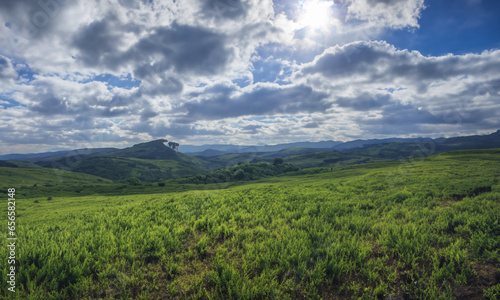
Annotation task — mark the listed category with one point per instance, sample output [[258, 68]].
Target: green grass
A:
[[422, 229], [115, 168], [18, 177]]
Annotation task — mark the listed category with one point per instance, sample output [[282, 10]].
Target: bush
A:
[[134, 181], [240, 174], [278, 161]]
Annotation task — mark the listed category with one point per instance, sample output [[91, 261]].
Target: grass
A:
[[419, 229], [17, 177]]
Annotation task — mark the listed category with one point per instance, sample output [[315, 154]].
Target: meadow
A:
[[410, 229]]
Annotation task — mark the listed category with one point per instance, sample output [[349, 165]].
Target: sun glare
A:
[[315, 13]]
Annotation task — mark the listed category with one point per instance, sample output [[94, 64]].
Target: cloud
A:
[[185, 49], [364, 102], [261, 100], [394, 14], [232, 9], [7, 72], [51, 96], [378, 62], [231, 70], [98, 43], [380, 86]]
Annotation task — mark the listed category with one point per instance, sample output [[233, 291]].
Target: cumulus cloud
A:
[[406, 88], [380, 63], [50, 96], [260, 100], [229, 69], [388, 13], [364, 102], [7, 72]]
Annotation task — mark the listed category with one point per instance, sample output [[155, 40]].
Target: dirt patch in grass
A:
[[487, 275]]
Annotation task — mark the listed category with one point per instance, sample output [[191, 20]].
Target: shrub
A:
[[278, 161]]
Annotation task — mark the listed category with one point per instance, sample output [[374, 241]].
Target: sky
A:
[[111, 73]]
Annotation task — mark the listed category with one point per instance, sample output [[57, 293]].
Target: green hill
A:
[[116, 168], [421, 229], [150, 150], [152, 161], [17, 177], [4, 163], [242, 172]]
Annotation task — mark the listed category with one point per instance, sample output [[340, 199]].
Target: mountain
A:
[[151, 161], [154, 161], [200, 150], [26, 156], [150, 150], [7, 164], [208, 153], [469, 142], [361, 143], [69, 154]]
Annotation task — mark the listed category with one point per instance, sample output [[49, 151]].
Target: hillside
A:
[[424, 229], [116, 168], [18, 177], [154, 161], [150, 150]]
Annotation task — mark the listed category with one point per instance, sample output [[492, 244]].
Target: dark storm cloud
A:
[[364, 102], [261, 101]]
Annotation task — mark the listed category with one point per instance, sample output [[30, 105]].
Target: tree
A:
[[240, 174], [173, 145], [278, 161]]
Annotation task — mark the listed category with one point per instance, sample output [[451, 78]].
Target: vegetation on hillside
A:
[[243, 172], [418, 229]]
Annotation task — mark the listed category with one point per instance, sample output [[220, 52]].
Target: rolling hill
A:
[[151, 161]]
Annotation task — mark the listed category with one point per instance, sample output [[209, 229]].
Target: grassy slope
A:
[[411, 229], [148, 162], [17, 177]]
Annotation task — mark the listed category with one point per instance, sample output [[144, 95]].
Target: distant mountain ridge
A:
[[157, 149], [154, 160]]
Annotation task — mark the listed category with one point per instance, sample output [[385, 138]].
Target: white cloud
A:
[[207, 69], [387, 13]]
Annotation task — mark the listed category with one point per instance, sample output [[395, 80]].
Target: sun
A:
[[315, 13]]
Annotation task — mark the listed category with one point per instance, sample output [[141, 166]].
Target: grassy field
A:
[[421, 229]]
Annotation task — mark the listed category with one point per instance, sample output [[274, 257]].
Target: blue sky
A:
[[458, 27], [77, 74]]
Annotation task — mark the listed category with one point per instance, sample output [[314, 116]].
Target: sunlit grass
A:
[[420, 228]]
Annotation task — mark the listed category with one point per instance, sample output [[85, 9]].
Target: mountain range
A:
[[154, 161]]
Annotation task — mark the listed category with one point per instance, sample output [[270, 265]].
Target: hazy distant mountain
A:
[[361, 143], [199, 150], [153, 161], [26, 156]]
